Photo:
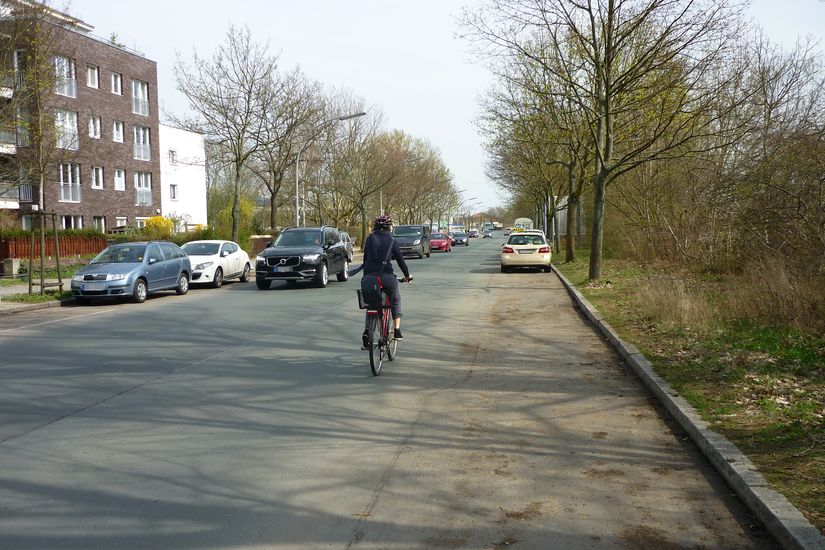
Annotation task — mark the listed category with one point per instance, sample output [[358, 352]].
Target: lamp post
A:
[[298, 160]]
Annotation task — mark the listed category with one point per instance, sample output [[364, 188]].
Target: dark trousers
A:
[[390, 285]]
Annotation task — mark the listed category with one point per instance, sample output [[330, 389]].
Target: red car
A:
[[441, 241]]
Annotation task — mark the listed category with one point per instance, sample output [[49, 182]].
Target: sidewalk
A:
[[7, 307]]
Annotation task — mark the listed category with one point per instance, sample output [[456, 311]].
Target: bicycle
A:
[[381, 341]]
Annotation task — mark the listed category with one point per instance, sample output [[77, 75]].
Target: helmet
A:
[[382, 222]]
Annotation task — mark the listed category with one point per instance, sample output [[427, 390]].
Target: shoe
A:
[[365, 340], [397, 334]]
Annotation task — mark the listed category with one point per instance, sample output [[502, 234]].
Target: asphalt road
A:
[[239, 418]]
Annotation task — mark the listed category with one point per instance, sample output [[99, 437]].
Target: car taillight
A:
[[544, 250], [507, 250]]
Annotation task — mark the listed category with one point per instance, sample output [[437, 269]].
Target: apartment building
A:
[[105, 107]]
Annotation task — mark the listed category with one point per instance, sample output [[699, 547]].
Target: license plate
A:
[[526, 251], [283, 268], [94, 286]]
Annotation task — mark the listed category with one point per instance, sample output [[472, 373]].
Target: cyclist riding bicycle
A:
[[379, 251]]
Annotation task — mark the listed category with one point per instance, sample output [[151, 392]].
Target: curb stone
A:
[[20, 307], [781, 518]]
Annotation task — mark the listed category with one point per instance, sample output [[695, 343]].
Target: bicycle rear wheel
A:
[[392, 343], [376, 346]]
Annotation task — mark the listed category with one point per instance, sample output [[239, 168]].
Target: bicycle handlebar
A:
[[402, 280]]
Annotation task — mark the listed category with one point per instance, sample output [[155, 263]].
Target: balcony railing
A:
[[26, 192], [140, 106], [21, 193], [8, 137], [69, 192], [142, 152], [66, 86]]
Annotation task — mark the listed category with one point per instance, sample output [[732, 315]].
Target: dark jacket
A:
[[375, 251]]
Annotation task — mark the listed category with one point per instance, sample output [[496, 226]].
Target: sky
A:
[[401, 56]]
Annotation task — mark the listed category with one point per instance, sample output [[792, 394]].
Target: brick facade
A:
[[105, 152]]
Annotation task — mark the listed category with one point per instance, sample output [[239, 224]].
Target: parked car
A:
[[487, 234], [525, 250], [441, 241], [303, 254], [133, 270], [413, 239], [460, 238], [215, 261], [473, 233], [349, 243]]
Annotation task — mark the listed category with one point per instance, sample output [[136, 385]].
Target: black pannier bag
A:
[[370, 291]]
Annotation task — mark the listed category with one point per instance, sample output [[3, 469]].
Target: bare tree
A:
[[230, 95]]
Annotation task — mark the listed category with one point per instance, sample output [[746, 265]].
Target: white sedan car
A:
[[525, 250], [215, 261]]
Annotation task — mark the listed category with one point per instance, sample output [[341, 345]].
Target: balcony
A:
[[8, 142], [140, 106], [11, 195]]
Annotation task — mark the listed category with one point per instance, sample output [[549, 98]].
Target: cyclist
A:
[[378, 246]]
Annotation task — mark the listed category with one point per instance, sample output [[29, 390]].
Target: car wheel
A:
[[344, 275], [262, 284], [322, 276], [217, 280], [245, 274], [547, 269], [139, 293], [503, 269], [429, 251], [183, 285], [421, 254]]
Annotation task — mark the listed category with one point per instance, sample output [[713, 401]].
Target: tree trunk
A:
[[598, 230], [570, 238], [236, 204], [273, 210], [363, 224]]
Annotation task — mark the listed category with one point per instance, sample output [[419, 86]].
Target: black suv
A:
[[303, 254], [413, 239]]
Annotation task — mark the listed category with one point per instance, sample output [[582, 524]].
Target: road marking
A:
[[50, 322]]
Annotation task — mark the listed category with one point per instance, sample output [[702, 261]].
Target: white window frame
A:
[[173, 191], [99, 223], [65, 72], [93, 76], [66, 128], [94, 127], [97, 177], [140, 97], [140, 223], [117, 131], [142, 144], [143, 189], [76, 221], [117, 83], [26, 221], [119, 179], [121, 221], [68, 179], [173, 156]]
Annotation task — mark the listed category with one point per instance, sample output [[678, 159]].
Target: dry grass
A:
[[669, 301], [771, 292]]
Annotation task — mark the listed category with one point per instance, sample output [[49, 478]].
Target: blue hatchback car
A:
[[133, 270]]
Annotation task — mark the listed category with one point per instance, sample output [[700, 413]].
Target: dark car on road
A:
[[349, 243], [413, 239], [460, 238], [133, 270], [303, 254]]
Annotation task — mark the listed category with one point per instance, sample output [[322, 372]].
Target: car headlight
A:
[[310, 257], [204, 265], [116, 276], [77, 278], [259, 259], [417, 241]]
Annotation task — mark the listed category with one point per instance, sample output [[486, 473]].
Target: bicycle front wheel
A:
[[376, 346], [392, 343]]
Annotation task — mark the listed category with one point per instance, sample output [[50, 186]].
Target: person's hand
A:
[[408, 278]]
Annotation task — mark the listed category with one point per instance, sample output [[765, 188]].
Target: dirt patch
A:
[[599, 435], [606, 473], [647, 537], [532, 511], [445, 543]]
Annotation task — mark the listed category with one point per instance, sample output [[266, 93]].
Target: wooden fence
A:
[[70, 246]]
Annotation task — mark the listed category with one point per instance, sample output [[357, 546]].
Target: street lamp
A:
[[298, 160]]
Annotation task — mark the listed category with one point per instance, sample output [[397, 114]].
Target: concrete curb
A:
[[20, 307], [781, 518]]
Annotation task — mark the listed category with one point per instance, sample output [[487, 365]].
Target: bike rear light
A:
[[544, 250], [507, 250]]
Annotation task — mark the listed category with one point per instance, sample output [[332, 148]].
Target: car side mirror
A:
[[152, 261], [224, 254], [268, 244]]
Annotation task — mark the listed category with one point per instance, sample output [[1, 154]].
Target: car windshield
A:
[[407, 231], [121, 254], [298, 237], [526, 239], [438, 236], [459, 234], [201, 249]]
